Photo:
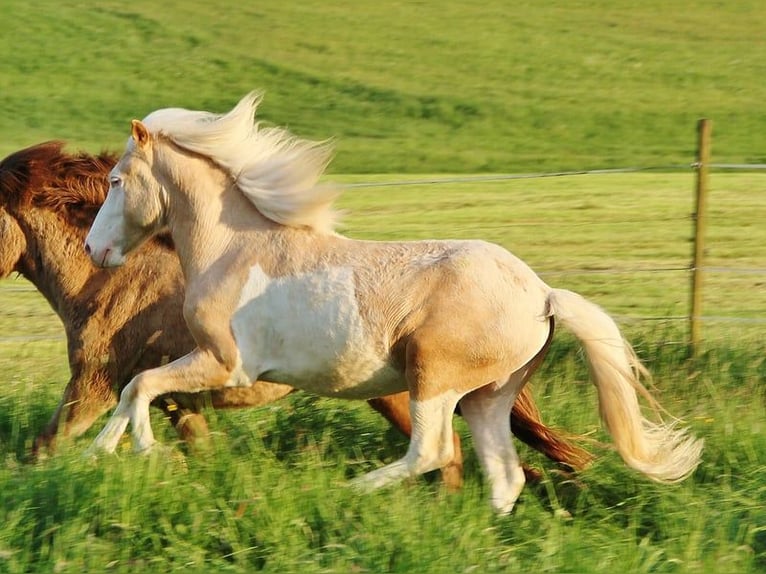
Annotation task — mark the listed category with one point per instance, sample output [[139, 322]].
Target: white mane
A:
[[275, 170]]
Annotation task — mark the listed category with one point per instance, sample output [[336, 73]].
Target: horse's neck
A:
[[55, 262], [225, 228], [199, 245], [216, 228]]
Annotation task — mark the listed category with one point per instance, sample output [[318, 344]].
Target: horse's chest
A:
[[307, 331]]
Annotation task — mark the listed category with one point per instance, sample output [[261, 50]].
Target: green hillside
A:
[[403, 86]]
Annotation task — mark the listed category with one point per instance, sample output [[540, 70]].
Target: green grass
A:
[[421, 88], [404, 87], [272, 495]]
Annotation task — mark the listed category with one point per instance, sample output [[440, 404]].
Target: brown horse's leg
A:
[[529, 428], [86, 397], [258, 394], [185, 409], [191, 427], [396, 408], [185, 414]]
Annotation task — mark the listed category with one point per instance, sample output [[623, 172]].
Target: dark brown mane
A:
[[44, 175]]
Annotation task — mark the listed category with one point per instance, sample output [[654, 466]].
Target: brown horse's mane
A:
[[45, 175], [72, 185]]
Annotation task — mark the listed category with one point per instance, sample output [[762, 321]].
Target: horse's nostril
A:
[[87, 249]]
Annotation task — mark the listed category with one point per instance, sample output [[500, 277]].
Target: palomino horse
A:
[[122, 321], [272, 292]]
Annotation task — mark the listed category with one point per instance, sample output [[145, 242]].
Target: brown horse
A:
[[273, 292], [122, 321]]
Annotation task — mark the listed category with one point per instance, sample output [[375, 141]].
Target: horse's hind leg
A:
[[431, 444], [486, 410], [527, 425], [396, 409], [432, 367]]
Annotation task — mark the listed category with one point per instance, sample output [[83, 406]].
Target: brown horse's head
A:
[[43, 176], [73, 185]]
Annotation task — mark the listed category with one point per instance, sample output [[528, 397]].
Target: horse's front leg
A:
[[198, 371], [87, 396]]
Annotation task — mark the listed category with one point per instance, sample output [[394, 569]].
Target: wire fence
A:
[[27, 288], [542, 175], [611, 271]]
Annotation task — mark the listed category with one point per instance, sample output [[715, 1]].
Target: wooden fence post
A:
[[704, 128]]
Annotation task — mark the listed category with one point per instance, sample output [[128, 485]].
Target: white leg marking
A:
[[487, 414], [143, 437], [431, 445], [133, 408], [107, 439]]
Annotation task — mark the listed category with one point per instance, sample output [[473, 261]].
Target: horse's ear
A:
[[140, 133]]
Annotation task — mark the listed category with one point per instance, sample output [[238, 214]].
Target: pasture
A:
[[404, 87], [274, 498], [409, 89]]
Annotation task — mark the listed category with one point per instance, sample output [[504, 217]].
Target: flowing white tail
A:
[[660, 451]]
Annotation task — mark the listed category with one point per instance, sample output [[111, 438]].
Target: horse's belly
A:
[[307, 331], [343, 379]]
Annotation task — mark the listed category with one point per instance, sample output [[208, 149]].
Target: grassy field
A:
[[624, 240], [273, 496], [403, 86], [413, 88]]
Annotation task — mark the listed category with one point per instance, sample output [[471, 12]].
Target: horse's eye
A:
[[114, 181]]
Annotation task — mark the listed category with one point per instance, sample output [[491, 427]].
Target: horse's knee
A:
[[139, 387], [75, 414]]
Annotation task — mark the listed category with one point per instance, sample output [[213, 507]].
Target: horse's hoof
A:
[[503, 510], [150, 448], [95, 451], [361, 485], [165, 453], [562, 514]]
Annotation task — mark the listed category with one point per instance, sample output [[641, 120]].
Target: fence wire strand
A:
[[510, 176], [550, 272]]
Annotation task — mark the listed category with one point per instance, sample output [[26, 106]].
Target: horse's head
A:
[[134, 209]]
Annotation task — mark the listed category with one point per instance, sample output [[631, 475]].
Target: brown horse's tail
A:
[[560, 447]]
